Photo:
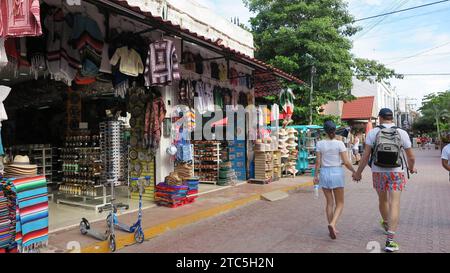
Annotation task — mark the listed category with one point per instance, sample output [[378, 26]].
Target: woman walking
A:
[[331, 153], [355, 149]]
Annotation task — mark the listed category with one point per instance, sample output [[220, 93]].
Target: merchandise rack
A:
[[264, 166], [207, 153], [277, 172], [84, 200], [81, 168]]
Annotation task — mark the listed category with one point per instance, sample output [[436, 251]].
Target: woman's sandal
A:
[[332, 232]]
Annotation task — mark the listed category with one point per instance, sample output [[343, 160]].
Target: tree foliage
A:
[[435, 112], [295, 35]]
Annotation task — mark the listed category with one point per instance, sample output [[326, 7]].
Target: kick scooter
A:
[[109, 234], [136, 228]]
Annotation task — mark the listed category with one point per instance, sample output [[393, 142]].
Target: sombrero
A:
[[22, 162]]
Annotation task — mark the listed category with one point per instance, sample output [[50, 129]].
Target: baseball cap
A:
[[385, 112], [329, 126]]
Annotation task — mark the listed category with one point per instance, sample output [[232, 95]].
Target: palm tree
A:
[[438, 111]]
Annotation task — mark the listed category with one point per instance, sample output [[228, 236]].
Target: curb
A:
[[123, 241]]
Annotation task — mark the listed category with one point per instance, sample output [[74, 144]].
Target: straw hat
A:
[[20, 167], [292, 131], [291, 142], [22, 162], [282, 132]]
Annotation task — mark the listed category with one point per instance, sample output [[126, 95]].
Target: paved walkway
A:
[[158, 220], [297, 224]]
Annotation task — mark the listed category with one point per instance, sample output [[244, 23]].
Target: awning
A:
[[360, 108], [156, 22]]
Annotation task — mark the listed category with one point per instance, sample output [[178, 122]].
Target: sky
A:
[[412, 42]]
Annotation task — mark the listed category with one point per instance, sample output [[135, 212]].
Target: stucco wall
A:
[[199, 19]]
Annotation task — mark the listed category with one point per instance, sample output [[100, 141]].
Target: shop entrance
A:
[[57, 128]]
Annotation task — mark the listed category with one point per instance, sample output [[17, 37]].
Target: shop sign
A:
[[73, 2]]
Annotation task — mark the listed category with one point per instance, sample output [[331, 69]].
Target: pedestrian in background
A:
[[355, 148], [384, 150], [446, 159], [331, 153]]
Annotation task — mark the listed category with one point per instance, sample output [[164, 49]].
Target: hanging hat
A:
[[282, 132], [292, 131]]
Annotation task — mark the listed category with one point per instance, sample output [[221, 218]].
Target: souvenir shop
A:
[[93, 95]]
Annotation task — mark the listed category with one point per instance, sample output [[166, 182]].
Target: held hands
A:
[[357, 176]]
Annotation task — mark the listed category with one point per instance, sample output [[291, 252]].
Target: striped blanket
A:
[[31, 213], [7, 216]]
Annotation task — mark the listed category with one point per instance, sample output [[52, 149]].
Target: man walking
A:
[[384, 152], [446, 159]]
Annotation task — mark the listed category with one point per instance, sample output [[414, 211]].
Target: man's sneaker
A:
[[391, 246], [384, 226]]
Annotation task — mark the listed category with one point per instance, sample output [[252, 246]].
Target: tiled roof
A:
[[225, 49], [360, 108]]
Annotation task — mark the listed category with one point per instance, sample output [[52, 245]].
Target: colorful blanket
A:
[[31, 213], [7, 216]]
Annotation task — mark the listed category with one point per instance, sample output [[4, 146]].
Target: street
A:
[[298, 223]]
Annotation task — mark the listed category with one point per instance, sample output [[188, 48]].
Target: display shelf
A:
[[39, 154], [210, 150], [86, 201], [264, 165]]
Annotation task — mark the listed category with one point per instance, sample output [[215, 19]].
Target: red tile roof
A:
[[226, 49], [360, 108]]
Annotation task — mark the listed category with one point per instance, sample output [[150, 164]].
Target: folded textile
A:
[[31, 213]]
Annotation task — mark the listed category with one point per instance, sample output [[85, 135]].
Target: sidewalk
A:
[[158, 220]]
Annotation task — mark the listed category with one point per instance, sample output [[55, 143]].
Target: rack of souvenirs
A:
[[263, 162], [146, 111], [207, 158], [82, 169], [288, 144], [237, 156], [277, 169], [307, 147]]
